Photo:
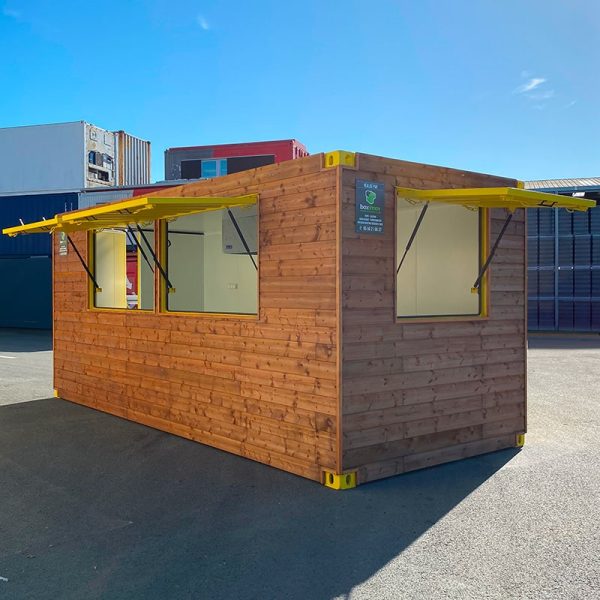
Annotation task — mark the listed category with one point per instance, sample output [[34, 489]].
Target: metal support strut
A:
[[87, 270], [486, 264], [413, 235], [242, 238], [155, 258], [132, 234]]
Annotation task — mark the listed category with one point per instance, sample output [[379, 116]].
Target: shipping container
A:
[[195, 162], [133, 160], [26, 298], [67, 156], [94, 196], [31, 207], [374, 330]]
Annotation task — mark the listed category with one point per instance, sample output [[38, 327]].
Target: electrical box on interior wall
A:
[[246, 220]]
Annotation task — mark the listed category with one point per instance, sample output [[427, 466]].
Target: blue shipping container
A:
[[30, 302], [30, 208]]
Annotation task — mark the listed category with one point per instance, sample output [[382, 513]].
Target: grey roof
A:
[[583, 183]]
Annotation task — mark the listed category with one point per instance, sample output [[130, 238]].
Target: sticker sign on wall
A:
[[369, 206], [63, 244]]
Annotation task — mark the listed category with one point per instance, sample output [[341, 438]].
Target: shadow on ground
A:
[[25, 340], [93, 506]]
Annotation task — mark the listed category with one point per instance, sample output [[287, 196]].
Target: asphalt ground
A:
[[92, 506], [25, 365]]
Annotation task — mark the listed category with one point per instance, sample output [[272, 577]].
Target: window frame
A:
[[484, 299], [91, 248], [163, 256]]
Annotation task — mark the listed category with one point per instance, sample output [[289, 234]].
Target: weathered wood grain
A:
[[324, 377], [264, 387], [421, 393]]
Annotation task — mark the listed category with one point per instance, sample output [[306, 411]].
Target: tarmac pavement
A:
[[92, 506], [25, 365]]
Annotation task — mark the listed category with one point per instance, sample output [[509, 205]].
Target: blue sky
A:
[[501, 86]]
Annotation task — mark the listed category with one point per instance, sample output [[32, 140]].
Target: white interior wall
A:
[[186, 266], [110, 265], [443, 262], [229, 281]]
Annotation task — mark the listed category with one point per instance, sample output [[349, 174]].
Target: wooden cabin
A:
[[344, 317]]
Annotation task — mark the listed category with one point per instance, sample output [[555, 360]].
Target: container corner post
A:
[[342, 481], [339, 158]]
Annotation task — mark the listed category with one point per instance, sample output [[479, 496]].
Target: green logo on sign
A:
[[370, 196]]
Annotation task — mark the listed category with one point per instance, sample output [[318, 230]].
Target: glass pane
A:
[[223, 166], [208, 265], [144, 273], [443, 263], [124, 269], [209, 168], [110, 269]]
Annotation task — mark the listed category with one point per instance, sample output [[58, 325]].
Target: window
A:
[[124, 268], [214, 168], [212, 263], [439, 270]]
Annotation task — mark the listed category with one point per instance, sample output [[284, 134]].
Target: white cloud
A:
[[572, 103], [11, 12], [533, 83], [202, 22]]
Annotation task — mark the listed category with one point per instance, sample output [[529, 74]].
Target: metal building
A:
[[195, 162], [67, 156], [26, 264], [564, 260]]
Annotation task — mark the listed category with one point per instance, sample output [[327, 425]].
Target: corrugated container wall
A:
[[88, 199], [67, 156], [188, 162], [31, 208], [42, 158], [133, 159]]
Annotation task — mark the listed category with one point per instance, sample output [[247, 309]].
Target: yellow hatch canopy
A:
[[501, 197], [126, 212]]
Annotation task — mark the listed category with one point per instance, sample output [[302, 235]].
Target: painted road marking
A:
[[1, 356]]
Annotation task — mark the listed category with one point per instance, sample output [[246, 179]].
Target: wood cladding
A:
[[418, 394], [264, 388], [324, 377]]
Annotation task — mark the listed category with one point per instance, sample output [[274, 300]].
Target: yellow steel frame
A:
[[339, 158], [164, 290], [496, 197], [339, 481], [125, 212], [484, 248]]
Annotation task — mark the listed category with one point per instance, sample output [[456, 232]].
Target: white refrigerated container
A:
[[67, 156]]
